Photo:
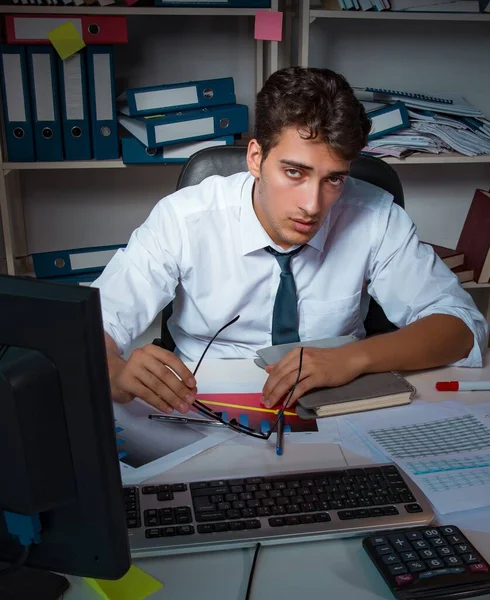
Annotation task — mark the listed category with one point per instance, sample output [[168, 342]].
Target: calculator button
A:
[[378, 540], [384, 550], [416, 565], [403, 579], [406, 556], [453, 561], [399, 542], [397, 569], [436, 563], [470, 558], [390, 559], [446, 571], [445, 551], [427, 554], [456, 539], [437, 542], [420, 544], [413, 535], [462, 548], [478, 568], [448, 530], [431, 533]]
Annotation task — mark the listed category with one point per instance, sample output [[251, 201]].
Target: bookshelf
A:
[[268, 59]]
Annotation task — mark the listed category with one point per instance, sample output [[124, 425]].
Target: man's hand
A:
[[321, 367], [153, 374]]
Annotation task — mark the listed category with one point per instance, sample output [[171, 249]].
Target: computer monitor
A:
[[58, 450]]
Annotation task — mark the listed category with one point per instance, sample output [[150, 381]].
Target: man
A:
[[217, 250]]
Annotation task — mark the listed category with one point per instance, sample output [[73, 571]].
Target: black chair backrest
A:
[[228, 160]]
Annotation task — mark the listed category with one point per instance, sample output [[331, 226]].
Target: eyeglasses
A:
[[233, 423]]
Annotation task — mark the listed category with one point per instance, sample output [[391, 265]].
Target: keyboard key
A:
[[231, 497], [178, 487], [420, 544], [233, 514], [149, 489], [435, 542], [133, 523], [205, 528], [456, 539], [153, 521], [216, 499], [276, 522], [166, 512], [163, 488], [197, 485], [264, 511], [255, 480], [203, 504], [153, 533], [413, 508], [251, 487], [169, 531], [185, 530], [322, 517], [253, 524], [248, 513], [210, 516], [219, 527], [165, 496], [447, 530], [210, 491], [236, 482], [224, 506], [181, 519], [427, 553], [236, 525], [293, 508], [292, 521], [390, 510], [345, 515], [219, 483], [307, 519]]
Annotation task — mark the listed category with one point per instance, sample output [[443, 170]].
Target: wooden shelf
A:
[[393, 15], [128, 10], [473, 285], [422, 158], [64, 164]]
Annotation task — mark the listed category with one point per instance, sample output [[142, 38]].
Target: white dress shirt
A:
[[202, 247]]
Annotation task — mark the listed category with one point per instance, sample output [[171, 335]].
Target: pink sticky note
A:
[[268, 25], [130, 2]]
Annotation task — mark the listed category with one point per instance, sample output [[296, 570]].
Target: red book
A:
[[474, 240]]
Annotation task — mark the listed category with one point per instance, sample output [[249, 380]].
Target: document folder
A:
[[187, 126], [179, 96], [74, 261], [43, 78], [389, 119], [74, 107], [19, 134], [134, 153], [102, 100]]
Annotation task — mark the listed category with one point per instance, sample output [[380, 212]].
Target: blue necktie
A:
[[285, 315]]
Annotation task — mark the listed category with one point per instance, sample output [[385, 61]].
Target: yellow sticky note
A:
[[135, 585], [66, 39]]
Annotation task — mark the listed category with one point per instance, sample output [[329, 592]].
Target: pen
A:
[[279, 439], [462, 386], [185, 420]]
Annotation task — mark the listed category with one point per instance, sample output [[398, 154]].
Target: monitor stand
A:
[[29, 584]]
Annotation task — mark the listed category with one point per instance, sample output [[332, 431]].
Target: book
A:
[[474, 240], [367, 392], [452, 258]]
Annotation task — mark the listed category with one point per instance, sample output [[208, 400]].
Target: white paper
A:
[[445, 449], [154, 447]]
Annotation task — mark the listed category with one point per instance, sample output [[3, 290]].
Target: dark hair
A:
[[318, 101]]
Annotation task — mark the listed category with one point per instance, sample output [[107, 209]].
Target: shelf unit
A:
[[267, 60]]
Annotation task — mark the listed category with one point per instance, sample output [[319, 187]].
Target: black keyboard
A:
[[271, 508]]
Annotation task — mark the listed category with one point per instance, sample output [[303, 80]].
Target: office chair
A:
[[227, 160]]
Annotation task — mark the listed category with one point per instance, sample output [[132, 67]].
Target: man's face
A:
[[296, 185]]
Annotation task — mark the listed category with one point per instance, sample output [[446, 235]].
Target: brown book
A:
[[367, 392], [464, 273], [452, 258], [474, 240]]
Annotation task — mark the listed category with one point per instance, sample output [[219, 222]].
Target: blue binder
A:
[[188, 125], [74, 107], [73, 261], [82, 279], [389, 119], [43, 78], [134, 153], [102, 100], [179, 96], [16, 103]]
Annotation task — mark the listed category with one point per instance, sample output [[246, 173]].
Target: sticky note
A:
[[135, 585], [66, 39], [268, 25]]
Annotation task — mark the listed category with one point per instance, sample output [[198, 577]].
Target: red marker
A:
[[462, 386]]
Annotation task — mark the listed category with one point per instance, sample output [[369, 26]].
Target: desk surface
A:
[[330, 569]]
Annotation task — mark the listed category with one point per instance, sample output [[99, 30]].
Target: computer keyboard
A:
[[271, 509]]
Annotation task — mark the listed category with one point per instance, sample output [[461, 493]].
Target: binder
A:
[[102, 102], [188, 125], [134, 153], [179, 96], [14, 80], [74, 261], [94, 29], [85, 279], [389, 119], [43, 79], [74, 107]]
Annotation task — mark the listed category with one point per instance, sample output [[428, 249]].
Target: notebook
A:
[[367, 392]]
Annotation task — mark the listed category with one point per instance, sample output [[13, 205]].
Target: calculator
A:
[[429, 562]]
